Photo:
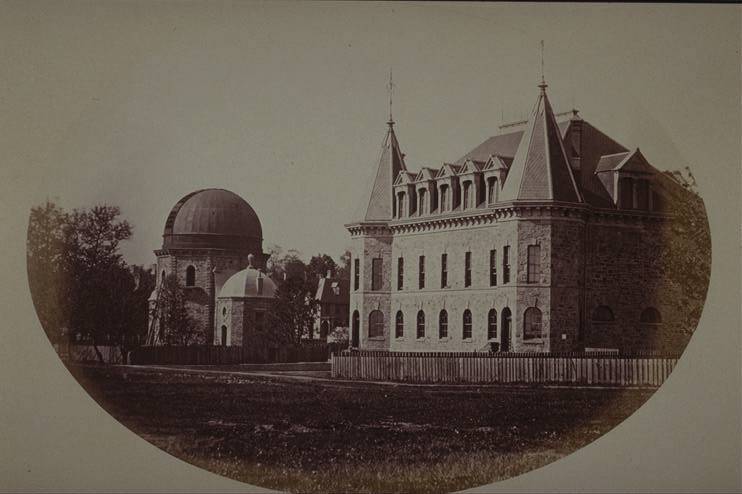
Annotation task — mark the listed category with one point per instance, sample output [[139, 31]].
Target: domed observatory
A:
[[207, 238], [242, 305]]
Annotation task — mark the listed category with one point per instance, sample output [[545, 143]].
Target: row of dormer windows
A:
[[443, 199]]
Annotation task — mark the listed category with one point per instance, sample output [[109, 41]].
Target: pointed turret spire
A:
[[540, 169], [377, 203]]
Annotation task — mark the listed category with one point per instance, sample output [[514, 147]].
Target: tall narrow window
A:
[[400, 273], [259, 321], [467, 269], [444, 270], [444, 198], [190, 276], [421, 324], [399, 325], [492, 190], [375, 324], [493, 267], [376, 274], [626, 193], [401, 210], [356, 273], [506, 264], [467, 195], [492, 324], [467, 325], [642, 194], [532, 323], [534, 263], [443, 324], [421, 273], [422, 202]]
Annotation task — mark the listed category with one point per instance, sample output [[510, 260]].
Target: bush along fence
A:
[[638, 369], [227, 355]]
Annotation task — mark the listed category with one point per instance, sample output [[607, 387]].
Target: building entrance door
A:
[[505, 331]]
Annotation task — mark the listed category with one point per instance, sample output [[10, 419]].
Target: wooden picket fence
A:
[[638, 369]]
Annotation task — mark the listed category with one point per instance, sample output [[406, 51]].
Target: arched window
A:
[[467, 195], [421, 324], [423, 203], [467, 325], [443, 324], [162, 277], [650, 315], [492, 190], [532, 323], [602, 313], [324, 329], [224, 336], [356, 329], [492, 324], [445, 200], [401, 205], [399, 325], [190, 276], [224, 312], [375, 324]]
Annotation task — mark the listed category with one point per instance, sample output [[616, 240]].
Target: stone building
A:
[[333, 298], [545, 238], [208, 237]]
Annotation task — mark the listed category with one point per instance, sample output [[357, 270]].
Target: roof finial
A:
[[543, 84], [391, 91]]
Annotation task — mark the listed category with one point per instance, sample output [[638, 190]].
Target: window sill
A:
[[376, 338], [533, 341]]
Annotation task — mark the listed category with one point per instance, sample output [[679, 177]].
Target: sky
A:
[[137, 104]]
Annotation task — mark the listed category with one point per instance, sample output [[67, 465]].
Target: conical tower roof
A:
[[540, 170], [377, 203]]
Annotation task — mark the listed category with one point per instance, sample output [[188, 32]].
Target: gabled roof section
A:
[[333, 290], [448, 170], [540, 169], [425, 173], [471, 166], [404, 177], [632, 162], [496, 162], [609, 162], [377, 203]]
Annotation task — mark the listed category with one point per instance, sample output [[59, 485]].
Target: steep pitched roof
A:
[[633, 161], [609, 162], [377, 202], [540, 169], [425, 173], [333, 290]]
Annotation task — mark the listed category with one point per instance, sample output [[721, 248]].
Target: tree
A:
[[293, 310], [175, 323], [47, 276]]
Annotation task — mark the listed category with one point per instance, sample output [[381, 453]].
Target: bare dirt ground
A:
[[325, 436]]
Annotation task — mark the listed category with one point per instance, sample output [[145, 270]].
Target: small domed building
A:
[[242, 305], [208, 237]]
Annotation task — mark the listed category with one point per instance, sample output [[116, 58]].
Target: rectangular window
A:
[[421, 273], [376, 274], [506, 264], [259, 321], [444, 270], [400, 273], [356, 273], [467, 269], [493, 267], [534, 263]]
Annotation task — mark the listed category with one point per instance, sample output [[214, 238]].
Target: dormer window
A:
[[422, 202], [492, 190], [445, 200], [401, 210], [467, 195]]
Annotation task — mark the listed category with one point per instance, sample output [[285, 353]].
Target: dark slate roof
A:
[[503, 145], [212, 218], [377, 201], [326, 291], [540, 169], [610, 161]]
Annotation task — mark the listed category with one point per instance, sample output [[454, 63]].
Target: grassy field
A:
[[341, 437]]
